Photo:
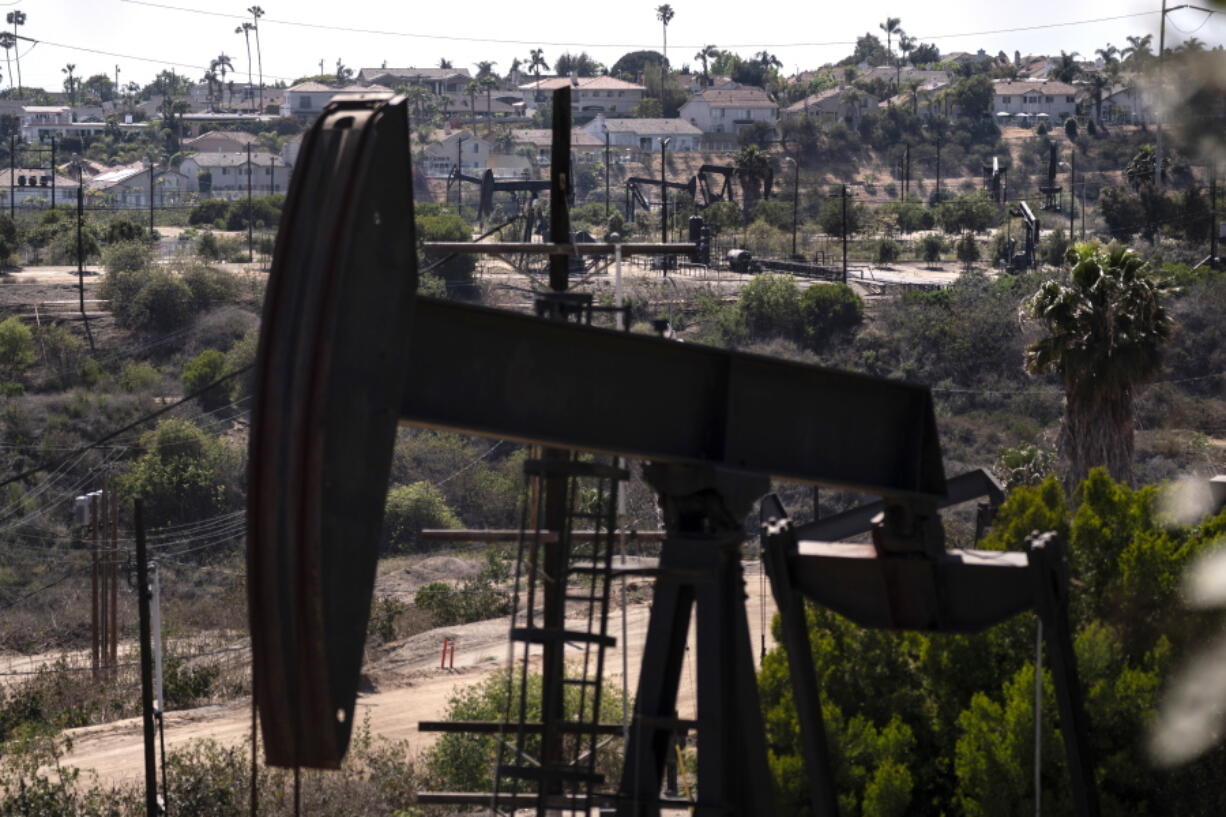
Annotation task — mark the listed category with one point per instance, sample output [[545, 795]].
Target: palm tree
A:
[[704, 55], [1099, 82], [221, 65], [1107, 54], [210, 80], [752, 168], [72, 85], [1138, 51], [343, 72], [1066, 69], [1105, 332], [905, 45], [245, 29], [472, 89], [665, 15], [890, 27], [1193, 45], [444, 63], [485, 68], [256, 13], [536, 61], [489, 84], [17, 18], [8, 42]]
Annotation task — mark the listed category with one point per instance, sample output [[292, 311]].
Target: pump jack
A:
[[347, 352]]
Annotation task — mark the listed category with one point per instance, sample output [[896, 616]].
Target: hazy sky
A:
[[144, 37]]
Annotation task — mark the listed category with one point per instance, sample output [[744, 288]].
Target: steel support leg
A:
[[1051, 597], [778, 551]]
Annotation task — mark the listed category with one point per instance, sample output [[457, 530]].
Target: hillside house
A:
[[128, 187], [224, 175], [646, 134], [32, 187], [307, 99], [730, 111], [842, 104], [437, 81], [589, 95], [1028, 99], [449, 147], [583, 144], [216, 141]]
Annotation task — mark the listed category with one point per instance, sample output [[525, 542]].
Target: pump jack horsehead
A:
[[348, 351]]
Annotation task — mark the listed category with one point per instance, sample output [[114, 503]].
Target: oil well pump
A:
[[348, 352]]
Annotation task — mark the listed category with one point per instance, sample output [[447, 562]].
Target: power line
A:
[[332, 28]]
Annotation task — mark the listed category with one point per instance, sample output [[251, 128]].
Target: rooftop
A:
[[583, 83], [543, 137], [1007, 87], [746, 97], [652, 126]]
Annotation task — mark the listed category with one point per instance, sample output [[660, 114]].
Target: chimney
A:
[[574, 79]]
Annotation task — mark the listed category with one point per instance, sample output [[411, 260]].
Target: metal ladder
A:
[[556, 756]]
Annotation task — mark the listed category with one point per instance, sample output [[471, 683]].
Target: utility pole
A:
[[1161, 90], [938, 196], [146, 663], [795, 198], [250, 212], [52, 172], [1072, 189], [151, 199], [81, 262], [606, 175], [1038, 720], [459, 171], [844, 234], [663, 190], [95, 644], [159, 698], [1213, 220], [12, 177], [1083, 207]]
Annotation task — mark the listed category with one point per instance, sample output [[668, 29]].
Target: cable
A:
[[538, 43], [112, 435]]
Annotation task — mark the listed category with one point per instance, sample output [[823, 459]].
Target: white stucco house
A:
[[832, 105], [307, 99], [730, 111], [646, 134], [449, 147], [227, 174], [128, 186], [1028, 99], [588, 95]]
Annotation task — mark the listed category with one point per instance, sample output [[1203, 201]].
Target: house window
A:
[[644, 143], [1005, 100], [304, 102], [225, 171], [1069, 99], [476, 147], [1049, 99], [619, 93], [721, 113], [612, 109]]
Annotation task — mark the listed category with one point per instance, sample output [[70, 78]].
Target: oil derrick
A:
[[1051, 191], [347, 351], [98, 514], [995, 180]]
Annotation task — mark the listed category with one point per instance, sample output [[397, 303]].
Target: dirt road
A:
[[409, 688]]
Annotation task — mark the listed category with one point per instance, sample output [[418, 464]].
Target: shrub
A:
[[8, 239], [1053, 248], [202, 370], [831, 217], [457, 272], [930, 248], [827, 309], [123, 230], [127, 255], [139, 376], [971, 211], [968, 250], [147, 299], [770, 307], [16, 347], [207, 248], [1070, 128], [208, 212], [888, 251], [209, 287], [411, 508], [474, 600]]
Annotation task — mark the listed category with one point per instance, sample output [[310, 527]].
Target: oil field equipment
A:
[[348, 351]]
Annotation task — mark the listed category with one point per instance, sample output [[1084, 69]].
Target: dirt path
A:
[[410, 688]]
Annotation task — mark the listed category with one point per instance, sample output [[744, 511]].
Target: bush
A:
[[123, 230], [125, 256], [971, 211], [8, 239], [147, 299], [457, 272], [968, 250], [888, 251], [139, 376], [410, 509], [209, 287], [1053, 248], [831, 217], [16, 347], [1070, 128], [474, 600], [930, 248], [208, 248], [209, 212], [202, 370], [770, 307], [827, 309]]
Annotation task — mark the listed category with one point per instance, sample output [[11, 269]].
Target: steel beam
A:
[[511, 376], [530, 248]]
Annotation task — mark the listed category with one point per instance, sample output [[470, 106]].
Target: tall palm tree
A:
[[472, 89], [704, 55], [17, 18], [905, 46], [1067, 69], [72, 85], [444, 63], [1105, 330], [485, 68], [256, 13], [221, 64], [1107, 54], [489, 84], [210, 81], [8, 42], [1098, 83], [245, 29], [890, 27], [536, 61], [752, 168], [665, 15], [1138, 51]]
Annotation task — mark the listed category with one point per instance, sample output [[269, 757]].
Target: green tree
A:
[[752, 168], [409, 510], [770, 307], [183, 475], [16, 347], [827, 310], [1106, 327], [931, 246], [968, 250], [203, 369], [973, 96], [837, 221], [975, 212], [458, 271]]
